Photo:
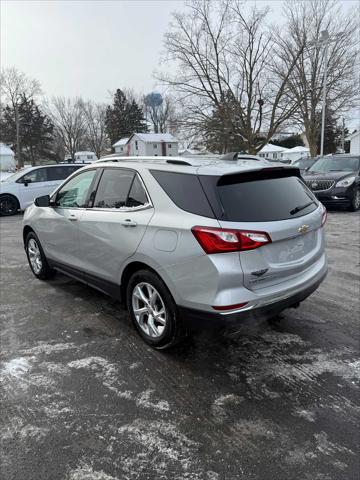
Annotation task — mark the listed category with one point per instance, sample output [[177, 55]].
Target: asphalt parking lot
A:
[[83, 398]]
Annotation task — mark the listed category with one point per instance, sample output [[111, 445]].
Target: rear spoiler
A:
[[259, 174]]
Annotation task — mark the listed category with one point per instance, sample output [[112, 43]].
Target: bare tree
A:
[[70, 122], [226, 63], [15, 85], [306, 20], [95, 115]]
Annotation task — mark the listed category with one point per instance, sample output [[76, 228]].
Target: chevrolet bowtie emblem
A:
[[303, 228]]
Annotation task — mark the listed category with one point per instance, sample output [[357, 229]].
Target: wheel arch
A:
[[26, 230]]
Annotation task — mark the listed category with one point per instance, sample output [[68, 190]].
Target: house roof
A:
[[353, 135], [156, 137], [269, 147], [5, 150], [122, 141], [299, 148]]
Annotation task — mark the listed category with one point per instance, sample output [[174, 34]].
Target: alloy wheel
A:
[[149, 309], [8, 205], [357, 199], [34, 256]]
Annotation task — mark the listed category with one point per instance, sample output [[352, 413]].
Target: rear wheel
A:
[[36, 258], [355, 202], [9, 205], [153, 310]]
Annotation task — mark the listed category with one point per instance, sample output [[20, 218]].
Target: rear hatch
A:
[[274, 201]]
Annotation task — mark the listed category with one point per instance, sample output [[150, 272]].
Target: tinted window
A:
[[61, 172], [137, 196], [265, 200], [35, 176], [185, 191], [74, 193], [113, 188], [336, 164]]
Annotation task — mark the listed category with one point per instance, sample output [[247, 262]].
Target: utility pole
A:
[[343, 136], [325, 39], [17, 124]]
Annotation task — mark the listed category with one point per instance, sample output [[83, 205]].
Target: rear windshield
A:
[[264, 200]]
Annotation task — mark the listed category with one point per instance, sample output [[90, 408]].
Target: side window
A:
[[113, 188], [59, 173], [34, 176], [137, 196], [74, 193]]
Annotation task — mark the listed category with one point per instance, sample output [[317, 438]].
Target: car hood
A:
[[327, 176]]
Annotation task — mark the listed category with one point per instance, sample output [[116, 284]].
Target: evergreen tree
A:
[[332, 134], [124, 117], [36, 130], [289, 142]]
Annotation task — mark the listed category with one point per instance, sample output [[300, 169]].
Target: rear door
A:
[[112, 229], [286, 210]]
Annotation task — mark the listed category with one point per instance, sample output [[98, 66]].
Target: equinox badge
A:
[[303, 228]]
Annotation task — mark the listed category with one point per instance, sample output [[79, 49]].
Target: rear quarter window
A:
[[185, 190], [264, 200]]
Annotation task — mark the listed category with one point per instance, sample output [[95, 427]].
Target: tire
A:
[[148, 292], [9, 205], [36, 258], [355, 201]]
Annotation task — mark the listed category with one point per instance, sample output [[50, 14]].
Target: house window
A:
[[89, 157], [275, 155], [155, 145], [136, 145], [169, 145], [121, 149]]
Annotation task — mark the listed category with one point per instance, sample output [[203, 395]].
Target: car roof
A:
[[192, 165], [30, 167]]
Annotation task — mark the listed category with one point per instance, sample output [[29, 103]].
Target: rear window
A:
[[185, 191], [264, 200]]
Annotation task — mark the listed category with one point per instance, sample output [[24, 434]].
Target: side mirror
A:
[[26, 181], [43, 201]]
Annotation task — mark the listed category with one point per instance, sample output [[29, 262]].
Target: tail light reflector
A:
[[222, 308], [324, 217], [221, 240]]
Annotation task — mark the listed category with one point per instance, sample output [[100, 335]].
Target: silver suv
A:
[[182, 241]]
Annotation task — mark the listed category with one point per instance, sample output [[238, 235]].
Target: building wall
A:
[[355, 145], [7, 162], [152, 149]]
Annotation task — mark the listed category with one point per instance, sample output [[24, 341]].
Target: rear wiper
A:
[[301, 207]]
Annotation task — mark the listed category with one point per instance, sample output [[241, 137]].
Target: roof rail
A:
[[178, 162]]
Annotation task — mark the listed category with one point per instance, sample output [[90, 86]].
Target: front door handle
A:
[[72, 218], [128, 223]]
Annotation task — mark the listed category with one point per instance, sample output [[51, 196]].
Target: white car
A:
[[20, 189]]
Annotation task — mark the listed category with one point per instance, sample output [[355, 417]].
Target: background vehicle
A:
[[335, 180], [183, 240], [20, 189], [304, 163]]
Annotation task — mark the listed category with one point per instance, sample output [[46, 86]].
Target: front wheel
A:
[[36, 258], [355, 201], [153, 310], [9, 205]]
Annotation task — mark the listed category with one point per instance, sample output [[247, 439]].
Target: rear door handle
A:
[[128, 223], [72, 218]]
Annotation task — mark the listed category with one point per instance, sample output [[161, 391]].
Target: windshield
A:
[[302, 164], [15, 176], [336, 164]]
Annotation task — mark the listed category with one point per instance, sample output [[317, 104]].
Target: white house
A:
[[295, 153], [148, 144], [121, 146], [82, 157], [354, 143], [7, 158], [272, 152]]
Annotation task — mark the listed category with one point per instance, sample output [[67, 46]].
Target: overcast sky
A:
[[90, 47]]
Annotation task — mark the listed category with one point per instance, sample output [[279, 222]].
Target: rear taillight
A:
[[221, 240], [324, 217]]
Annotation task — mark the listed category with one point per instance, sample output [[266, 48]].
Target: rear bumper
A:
[[199, 320]]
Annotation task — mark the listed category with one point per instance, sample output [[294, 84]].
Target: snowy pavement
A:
[[83, 398]]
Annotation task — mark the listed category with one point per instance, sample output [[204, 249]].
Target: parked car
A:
[[20, 189], [304, 163], [182, 242], [335, 180]]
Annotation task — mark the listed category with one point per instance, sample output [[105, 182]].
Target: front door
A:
[[111, 231]]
